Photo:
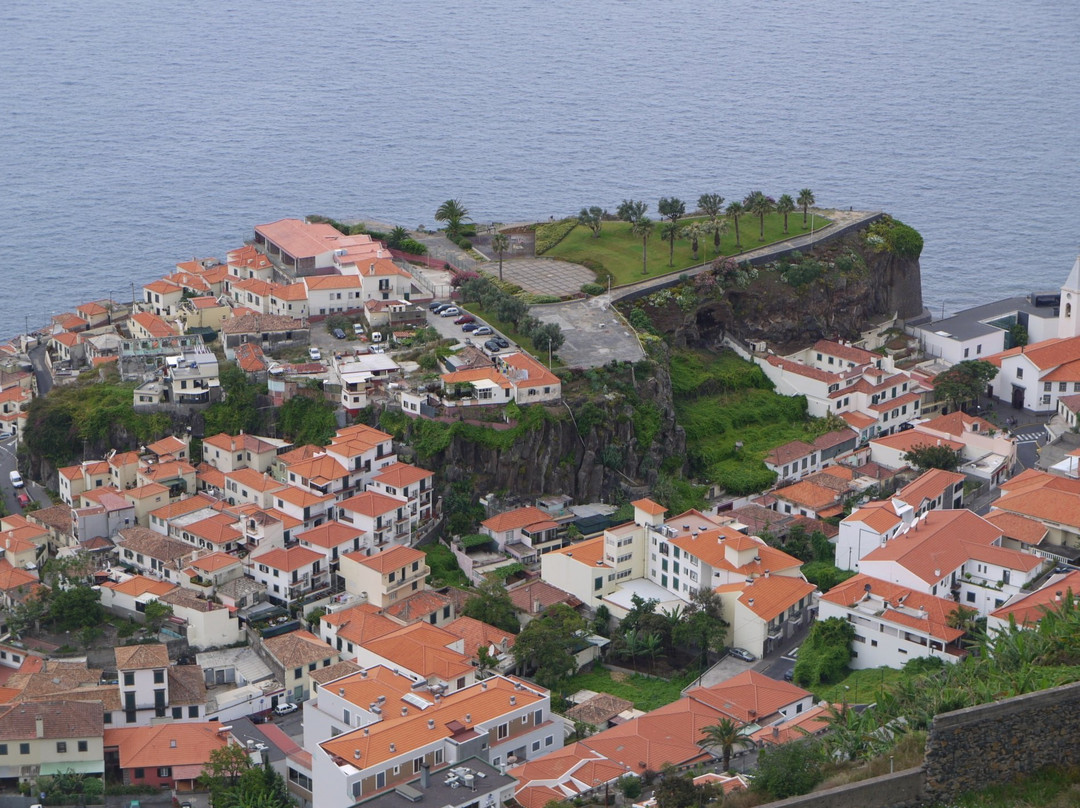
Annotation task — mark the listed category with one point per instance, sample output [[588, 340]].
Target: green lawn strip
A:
[[444, 567], [862, 687], [508, 331], [645, 692], [619, 250]]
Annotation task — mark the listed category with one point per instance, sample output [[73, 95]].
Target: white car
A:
[[285, 709], [315, 354], [16, 479], [358, 329]]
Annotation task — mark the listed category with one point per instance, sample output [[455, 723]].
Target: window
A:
[[970, 597], [549, 740], [967, 352], [417, 762], [313, 666], [177, 712], [193, 711], [139, 774], [380, 780], [598, 584], [298, 673], [1047, 386], [61, 747], [83, 746], [164, 771], [504, 730], [536, 746], [1019, 373], [438, 756], [129, 679], [159, 677]]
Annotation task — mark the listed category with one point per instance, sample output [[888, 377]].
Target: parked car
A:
[[16, 479], [378, 349], [314, 354], [484, 331], [470, 327], [7, 433], [358, 329], [492, 346], [450, 311], [465, 318], [23, 499], [439, 308], [789, 675], [503, 341], [742, 653], [285, 709], [337, 332], [432, 306]]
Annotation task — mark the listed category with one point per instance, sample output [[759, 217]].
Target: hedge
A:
[[551, 233]]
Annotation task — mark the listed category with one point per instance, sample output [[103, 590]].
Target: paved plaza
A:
[[543, 276], [595, 335]]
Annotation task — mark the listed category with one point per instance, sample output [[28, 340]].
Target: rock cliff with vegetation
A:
[[615, 436]]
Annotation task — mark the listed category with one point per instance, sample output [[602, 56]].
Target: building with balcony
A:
[[386, 576], [384, 519], [524, 533], [293, 656], [415, 484], [289, 575]]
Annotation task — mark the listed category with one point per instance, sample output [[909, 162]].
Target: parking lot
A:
[[449, 330]]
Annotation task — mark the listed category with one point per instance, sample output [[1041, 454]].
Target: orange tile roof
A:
[[392, 558], [301, 497], [589, 552], [807, 494], [957, 423], [1028, 608], [287, 560], [92, 308], [321, 470], [182, 507], [515, 519], [483, 702], [321, 282], [813, 722], [848, 352], [670, 734], [1045, 497], [66, 338], [1044, 355], [371, 685], [400, 475], [298, 648], [880, 516], [163, 287], [153, 325], [539, 592], [360, 624], [290, 291], [423, 649], [800, 369], [212, 562], [524, 371], [420, 605], [929, 485], [912, 439], [769, 597], [299, 453], [330, 534], [650, 507], [172, 744], [938, 543], [858, 420], [140, 657], [250, 358], [216, 529], [793, 450], [907, 607], [138, 585], [170, 444], [749, 696], [478, 634], [15, 578], [1020, 528], [371, 503], [476, 375], [255, 480]]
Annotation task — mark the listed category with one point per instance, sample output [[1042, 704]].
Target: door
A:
[[1018, 397]]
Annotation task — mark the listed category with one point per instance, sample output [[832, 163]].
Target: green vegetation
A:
[[721, 401], [618, 249], [509, 313], [893, 236], [444, 567], [826, 652], [549, 234], [546, 646], [1055, 787], [429, 438], [89, 411], [492, 605], [647, 693], [933, 456], [964, 382], [303, 419], [237, 412]]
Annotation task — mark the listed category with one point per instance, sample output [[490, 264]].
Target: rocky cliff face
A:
[[837, 304], [587, 448]]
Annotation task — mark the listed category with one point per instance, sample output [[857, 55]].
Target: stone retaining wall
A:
[[994, 743], [903, 789]]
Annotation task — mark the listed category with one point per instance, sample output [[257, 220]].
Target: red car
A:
[[465, 318], [23, 499]]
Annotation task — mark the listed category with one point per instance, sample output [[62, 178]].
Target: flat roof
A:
[[971, 323]]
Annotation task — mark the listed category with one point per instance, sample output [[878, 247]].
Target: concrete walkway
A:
[[543, 276], [595, 334]]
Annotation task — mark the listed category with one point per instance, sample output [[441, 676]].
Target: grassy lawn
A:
[[646, 693], [862, 686], [619, 251], [721, 399], [444, 567]]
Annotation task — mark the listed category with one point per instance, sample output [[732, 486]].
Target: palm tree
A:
[[725, 735], [653, 645], [694, 231], [735, 210], [712, 205], [630, 210], [643, 227], [785, 205], [671, 209], [718, 229], [454, 214], [396, 237], [758, 204], [500, 243], [806, 199], [669, 231]]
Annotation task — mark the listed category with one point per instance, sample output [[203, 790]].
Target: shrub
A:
[[551, 233], [413, 247], [593, 289], [789, 769]]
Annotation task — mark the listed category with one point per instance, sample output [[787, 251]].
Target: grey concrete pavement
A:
[[543, 276], [595, 334]]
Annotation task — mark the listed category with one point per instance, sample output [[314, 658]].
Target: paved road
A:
[[41, 370]]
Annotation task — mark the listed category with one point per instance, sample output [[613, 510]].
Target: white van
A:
[[285, 708], [376, 336], [16, 479]]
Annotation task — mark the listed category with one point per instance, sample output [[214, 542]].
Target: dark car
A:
[[439, 309], [742, 653], [435, 304], [470, 327], [503, 341], [493, 346], [789, 675], [465, 318], [337, 332]]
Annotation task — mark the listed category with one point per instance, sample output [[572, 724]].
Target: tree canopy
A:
[[964, 381], [933, 456], [547, 645], [492, 605]]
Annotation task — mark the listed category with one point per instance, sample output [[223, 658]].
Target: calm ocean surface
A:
[[136, 134]]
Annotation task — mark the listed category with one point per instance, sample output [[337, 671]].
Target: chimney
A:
[[431, 723], [365, 731], [766, 573], [750, 603], [372, 270], [393, 746], [172, 744], [513, 701], [363, 673], [39, 727], [1057, 596], [356, 754], [468, 718], [341, 691], [424, 774], [404, 710], [483, 685], [775, 731]]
